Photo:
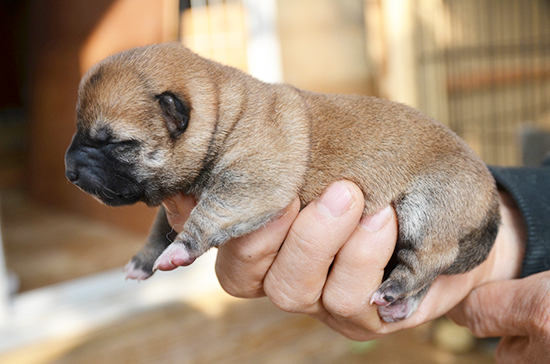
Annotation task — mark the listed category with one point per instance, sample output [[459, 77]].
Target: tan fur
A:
[[250, 148]]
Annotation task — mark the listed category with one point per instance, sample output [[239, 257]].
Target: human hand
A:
[[516, 310], [327, 262]]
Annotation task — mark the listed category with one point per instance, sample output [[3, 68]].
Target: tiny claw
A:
[[380, 299]]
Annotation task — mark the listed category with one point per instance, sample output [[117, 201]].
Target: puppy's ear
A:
[[175, 112]]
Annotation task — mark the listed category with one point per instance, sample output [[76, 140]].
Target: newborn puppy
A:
[[159, 120]]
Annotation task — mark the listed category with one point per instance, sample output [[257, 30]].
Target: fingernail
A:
[[377, 221], [171, 207], [335, 200]]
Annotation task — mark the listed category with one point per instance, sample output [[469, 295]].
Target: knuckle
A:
[[238, 291], [544, 326], [305, 239], [472, 317], [236, 285], [360, 335], [340, 307], [285, 303], [540, 318], [228, 286], [289, 302], [352, 331]]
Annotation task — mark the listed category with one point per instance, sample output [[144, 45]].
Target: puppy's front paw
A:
[[134, 271], [176, 255]]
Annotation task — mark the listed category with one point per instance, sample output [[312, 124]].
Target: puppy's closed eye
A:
[[103, 138]]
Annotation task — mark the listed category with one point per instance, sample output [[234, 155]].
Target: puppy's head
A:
[[144, 125]]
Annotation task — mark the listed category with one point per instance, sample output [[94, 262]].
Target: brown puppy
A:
[[159, 120]]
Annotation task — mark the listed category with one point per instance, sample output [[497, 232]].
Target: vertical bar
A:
[[537, 61], [184, 5], [498, 119], [516, 54], [475, 66], [217, 29], [202, 42], [170, 20], [263, 50], [463, 56], [399, 28], [494, 9], [458, 55], [4, 281], [545, 40], [423, 58], [524, 38], [485, 60], [449, 69], [545, 62]]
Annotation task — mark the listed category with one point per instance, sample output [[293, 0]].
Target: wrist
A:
[[510, 243]]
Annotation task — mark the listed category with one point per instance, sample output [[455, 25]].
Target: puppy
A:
[[160, 120]]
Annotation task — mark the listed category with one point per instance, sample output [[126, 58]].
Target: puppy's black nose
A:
[[71, 175]]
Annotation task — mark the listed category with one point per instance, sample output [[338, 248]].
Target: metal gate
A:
[[484, 69]]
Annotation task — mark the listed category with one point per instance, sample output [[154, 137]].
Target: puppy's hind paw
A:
[[132, 271], [398, 310], [176, 255], [393, 308]]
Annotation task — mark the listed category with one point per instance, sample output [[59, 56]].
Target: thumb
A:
[[505, 308], [178, 208]]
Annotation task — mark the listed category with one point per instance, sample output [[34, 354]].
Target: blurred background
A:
[[481, 67]]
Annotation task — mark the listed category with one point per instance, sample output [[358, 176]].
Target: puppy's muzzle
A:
[[97, 171]]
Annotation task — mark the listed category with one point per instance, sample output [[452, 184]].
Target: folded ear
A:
[[175, 112]]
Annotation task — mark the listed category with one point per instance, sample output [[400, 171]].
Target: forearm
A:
[[530, 193], [511, 240]]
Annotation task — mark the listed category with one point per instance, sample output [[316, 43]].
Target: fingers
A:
[[242, 263], [296, 279], [518, 310], [488, 310], [513, 350], [507, 308], [297, 275], [357, 273]]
